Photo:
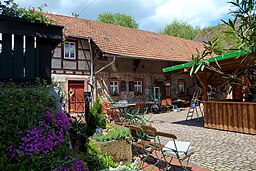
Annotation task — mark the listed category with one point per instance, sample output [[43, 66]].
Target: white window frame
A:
[[138, 87], [69, 51], [114, 87]]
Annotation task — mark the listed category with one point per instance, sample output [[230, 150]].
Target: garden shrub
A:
[[96, 118], [32, 135], [21, 108], [97, 161]]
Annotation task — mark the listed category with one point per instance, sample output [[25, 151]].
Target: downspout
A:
[[91, 74], [114, 59]]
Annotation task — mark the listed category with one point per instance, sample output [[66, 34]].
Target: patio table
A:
[[129, 113], [177, 104]]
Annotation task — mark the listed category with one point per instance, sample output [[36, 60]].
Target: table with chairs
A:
[[127, 113]]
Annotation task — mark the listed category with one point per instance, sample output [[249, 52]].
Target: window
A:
[[114, 89], [70, 50], [138, 88]]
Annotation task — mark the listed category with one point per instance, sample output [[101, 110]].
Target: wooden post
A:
[[203, 82]]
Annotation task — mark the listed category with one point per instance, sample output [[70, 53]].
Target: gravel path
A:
[[214, 149]]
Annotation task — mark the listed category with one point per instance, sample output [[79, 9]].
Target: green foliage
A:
[[232, 80], [198, 60], [118, 19], [127, 167], [60, 156], [240, 31], [107, 161], [97, 161], [21, 107], [112, 134], [243, 25], [226, 39], [11, 9], [92, 148], [96, 118], [180, 29]]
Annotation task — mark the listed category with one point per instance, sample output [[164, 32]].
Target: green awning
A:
[[213, 59]]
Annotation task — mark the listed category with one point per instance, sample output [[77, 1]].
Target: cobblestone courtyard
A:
[[214, 149]]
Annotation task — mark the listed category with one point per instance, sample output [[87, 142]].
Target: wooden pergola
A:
[[224, 115]]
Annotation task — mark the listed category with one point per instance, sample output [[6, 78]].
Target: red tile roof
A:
[[129, 42]]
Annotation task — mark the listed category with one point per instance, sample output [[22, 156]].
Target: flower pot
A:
[[120, 150]]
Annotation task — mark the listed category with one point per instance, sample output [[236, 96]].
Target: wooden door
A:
[[76, 96]]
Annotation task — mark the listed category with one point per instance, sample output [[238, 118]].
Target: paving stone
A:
[[214, 149]]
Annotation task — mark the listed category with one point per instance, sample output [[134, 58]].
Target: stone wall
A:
[[147, 71]]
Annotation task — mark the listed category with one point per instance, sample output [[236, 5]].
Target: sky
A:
[[151, 15]]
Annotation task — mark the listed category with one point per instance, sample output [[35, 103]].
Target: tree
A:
[[180, 29], [118, 19], [243, 27], [227, 40]]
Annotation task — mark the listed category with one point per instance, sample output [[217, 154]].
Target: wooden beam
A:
[[203, 82]]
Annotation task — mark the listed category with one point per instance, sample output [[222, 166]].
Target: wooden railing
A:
[[26, 49], [230, 116]]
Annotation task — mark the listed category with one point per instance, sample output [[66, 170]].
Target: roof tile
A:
[[129, 42]]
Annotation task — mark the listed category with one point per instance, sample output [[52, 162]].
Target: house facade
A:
[[121, 63]]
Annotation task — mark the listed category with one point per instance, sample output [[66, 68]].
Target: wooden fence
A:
[[230, 116], [26, 49]]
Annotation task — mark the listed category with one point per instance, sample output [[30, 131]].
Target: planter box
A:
[[120, 150]]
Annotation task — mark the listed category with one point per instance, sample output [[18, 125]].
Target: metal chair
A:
[[174, 149]]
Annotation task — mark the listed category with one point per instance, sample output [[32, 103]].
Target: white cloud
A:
[[197, 12], [151, 15]]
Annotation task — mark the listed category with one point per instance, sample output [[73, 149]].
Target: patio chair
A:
[[142, 144], [169, 103], [180, 150], [111, 112], [164, 106], [143, 109], [139, 112]]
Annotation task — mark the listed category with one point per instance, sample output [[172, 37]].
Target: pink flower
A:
[[45, 5]]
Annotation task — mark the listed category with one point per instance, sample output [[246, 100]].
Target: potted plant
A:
[[115, 142]]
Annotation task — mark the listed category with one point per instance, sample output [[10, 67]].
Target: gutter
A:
[[146, 58], [91, 73]]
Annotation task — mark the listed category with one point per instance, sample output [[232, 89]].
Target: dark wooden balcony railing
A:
[[26, 49]]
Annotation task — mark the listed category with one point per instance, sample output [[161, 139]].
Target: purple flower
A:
[[78, 165], [11, 152], [19, 132], [99, 130], [44, 138], [65, 168]]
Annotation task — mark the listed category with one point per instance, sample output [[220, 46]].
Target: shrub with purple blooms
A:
[[33, 138], [77, 165], [44, 138], [45, 146]]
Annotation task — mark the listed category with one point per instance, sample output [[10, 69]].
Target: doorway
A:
[[76, 96], [157, 94]]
